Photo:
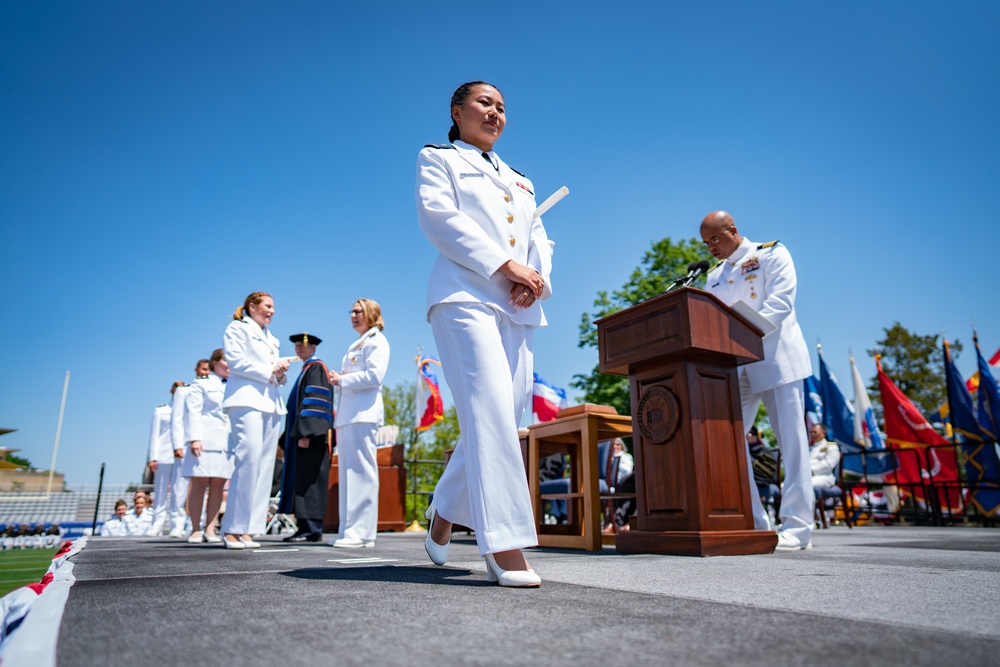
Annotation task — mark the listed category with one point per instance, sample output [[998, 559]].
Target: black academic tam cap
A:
[[306, 338]]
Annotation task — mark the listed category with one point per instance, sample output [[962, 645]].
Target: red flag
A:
[[906, 429]]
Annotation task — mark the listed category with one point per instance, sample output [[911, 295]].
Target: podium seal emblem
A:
[[659, 414]]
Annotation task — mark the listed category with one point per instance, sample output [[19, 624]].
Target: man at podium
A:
[[763, 277]]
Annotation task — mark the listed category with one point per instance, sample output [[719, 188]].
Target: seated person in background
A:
[[551, 468], [139, 520], [823, 459], [765, 469], [115, 526], [625, 464]]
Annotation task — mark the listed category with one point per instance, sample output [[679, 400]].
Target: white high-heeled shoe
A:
[[511, 578], [234, 544], [438, 553]]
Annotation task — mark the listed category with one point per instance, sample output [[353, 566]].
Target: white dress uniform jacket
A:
[[177, 417], [364, 368], [160, 448], [479, 217], [764, 277], [205, 420], [251, 353], [823, 459]]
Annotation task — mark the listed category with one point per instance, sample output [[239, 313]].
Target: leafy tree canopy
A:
[[666, 261], [916, 364]]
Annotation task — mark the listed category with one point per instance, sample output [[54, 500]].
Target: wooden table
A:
[[575, 432]]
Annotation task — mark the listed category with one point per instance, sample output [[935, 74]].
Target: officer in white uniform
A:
[[359, 414], [162, 461], [178, 482], [254, 405], [483, 305], [763, 276], [824, 456]]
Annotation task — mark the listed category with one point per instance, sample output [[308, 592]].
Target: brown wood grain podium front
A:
[[681, 351]]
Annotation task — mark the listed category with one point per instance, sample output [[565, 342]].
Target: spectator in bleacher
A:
[[115, 526], [824, 456], [255, 407], [206, 435], [139, 520], [161, 460]]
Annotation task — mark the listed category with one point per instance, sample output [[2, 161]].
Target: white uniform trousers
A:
[[253, 443], [487, 361], [170, 497], [357, 476], [785, 408]]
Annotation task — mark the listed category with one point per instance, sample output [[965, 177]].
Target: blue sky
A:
[[161, 160]]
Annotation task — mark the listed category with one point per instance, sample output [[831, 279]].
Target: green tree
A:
[[660, 266], [19, 461], [424, 451], [916, 364]]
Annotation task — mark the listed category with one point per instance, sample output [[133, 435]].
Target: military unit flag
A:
[[428, 394], [547, 399]]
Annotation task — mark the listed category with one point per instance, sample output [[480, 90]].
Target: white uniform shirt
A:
[[160, 448], [177, 417], [252, 353], [364, 368], [138, 525], [823, 459], [479, 217], [204, 418], [764, 277], [114, 527]]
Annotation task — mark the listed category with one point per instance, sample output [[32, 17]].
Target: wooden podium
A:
[[680, 351]]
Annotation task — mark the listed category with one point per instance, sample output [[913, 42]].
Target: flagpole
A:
[[55, 447]]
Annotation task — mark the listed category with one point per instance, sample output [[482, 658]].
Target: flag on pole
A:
[[428, 394], [814, 401], [547, 399], [988, 403], [866, 431], [959, 401], [978, 452], [838, 415], [907, 430]]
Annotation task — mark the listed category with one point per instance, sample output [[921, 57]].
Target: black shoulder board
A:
[[717, 265], [439, 146], [769, 244], [516, 171]]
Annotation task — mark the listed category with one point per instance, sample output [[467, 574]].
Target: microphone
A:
[[695, 269]]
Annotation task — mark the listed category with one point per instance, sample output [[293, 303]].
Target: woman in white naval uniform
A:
[[359, 414], [254, 406], [483, 305], [206, 434]]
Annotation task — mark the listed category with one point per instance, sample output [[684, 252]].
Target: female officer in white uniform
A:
[[254, 406], [359, 414], [206, 434], [483, 307]]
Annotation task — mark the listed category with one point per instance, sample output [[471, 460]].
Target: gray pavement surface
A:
[[867, 596]]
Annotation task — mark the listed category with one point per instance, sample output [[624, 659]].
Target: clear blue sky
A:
[[159, 161]]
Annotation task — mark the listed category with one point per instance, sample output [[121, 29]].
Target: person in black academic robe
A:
[[309, 439]]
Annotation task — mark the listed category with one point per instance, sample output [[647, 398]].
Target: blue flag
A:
[[814, 401], [978, 456], [963, 420], [989, 398], [982, 463], [838, 414]]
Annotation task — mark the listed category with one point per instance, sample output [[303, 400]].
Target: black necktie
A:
[[486, 156]]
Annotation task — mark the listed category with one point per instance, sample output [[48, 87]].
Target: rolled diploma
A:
[[543, 208]]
